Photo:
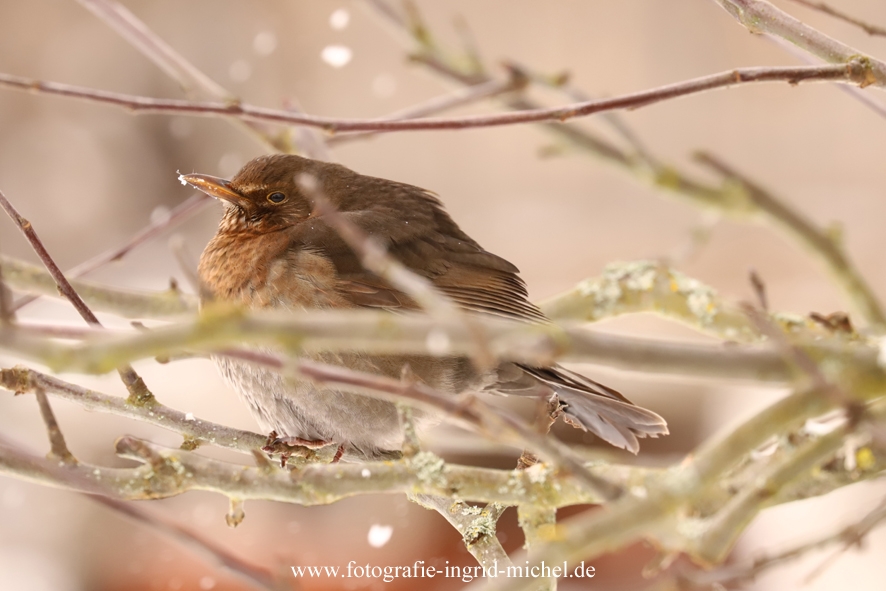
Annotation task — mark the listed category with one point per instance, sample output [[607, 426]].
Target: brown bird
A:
[[272, 250]]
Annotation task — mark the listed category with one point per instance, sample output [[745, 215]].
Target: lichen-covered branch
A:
[[172, 303], [195, 431], [380, 332], [649, 286]]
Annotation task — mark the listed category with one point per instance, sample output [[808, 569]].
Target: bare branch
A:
[[88, 479], [59, 449], [822, 7], [138, 391], [196, 431], [760, 16], [181, 212], [815, 240], [856, 72], [191, 79], [127, 303]]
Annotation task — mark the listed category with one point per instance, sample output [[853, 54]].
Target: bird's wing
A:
[[417, 232]]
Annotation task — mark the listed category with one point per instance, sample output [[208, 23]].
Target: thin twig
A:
[[146, 41], [741, 573], [178, 214], [59, 449], [856, 72], [138, 391], [759, 16], [127, 303], [458, 98], [196, 431], [822, 7], [814, 239], [88, 479], [7, 313]]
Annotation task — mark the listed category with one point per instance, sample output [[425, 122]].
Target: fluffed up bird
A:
[[273, 251]]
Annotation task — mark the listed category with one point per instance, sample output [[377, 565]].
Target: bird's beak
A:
[[212, 186]]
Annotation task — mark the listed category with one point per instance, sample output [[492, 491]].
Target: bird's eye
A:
[[277, 197]]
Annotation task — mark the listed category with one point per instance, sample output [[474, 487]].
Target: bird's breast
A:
[[265, 270]]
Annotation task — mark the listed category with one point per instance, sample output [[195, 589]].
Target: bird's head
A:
[[266, 195]]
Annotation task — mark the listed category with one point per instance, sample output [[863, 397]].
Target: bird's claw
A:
[[297, 446]]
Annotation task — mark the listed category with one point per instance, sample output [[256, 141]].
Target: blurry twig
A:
[[189, 77], [138, 391], [760, 16], [59, 449], [128, 303], [177, 214], [822, 7], [741, 573], [855, 72], [384, 333], [88, 479], [762, 202], [452, 100], [22, 379]]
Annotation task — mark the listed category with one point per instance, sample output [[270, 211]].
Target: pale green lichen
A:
[[701, 299], [618, 278], [471, 510], [789, 322], [479, 527], [538, 473], [428, 468], [692, 528]]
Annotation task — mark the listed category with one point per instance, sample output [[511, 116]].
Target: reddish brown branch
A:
[[138, 391], [854, 72], [177, 214]]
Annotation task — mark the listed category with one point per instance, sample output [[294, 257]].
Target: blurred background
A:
[[88, 176]]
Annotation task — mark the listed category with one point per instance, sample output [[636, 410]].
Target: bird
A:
[[273, 249]]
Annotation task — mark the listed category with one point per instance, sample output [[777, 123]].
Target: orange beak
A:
[[212, 186]]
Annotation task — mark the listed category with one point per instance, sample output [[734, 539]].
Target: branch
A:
[[630, 518], [475, 526], [759, 16], [170, 472], [184, 210], [138, 391], [196, 431], [172, 303], [88, 479], [793, 223], [384, 333], [856, 72], [648, 286], [191, 79], [822, 7]]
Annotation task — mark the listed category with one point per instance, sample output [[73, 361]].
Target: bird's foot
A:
[[287, 447]]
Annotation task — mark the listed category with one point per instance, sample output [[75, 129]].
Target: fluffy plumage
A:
[[278, 254]]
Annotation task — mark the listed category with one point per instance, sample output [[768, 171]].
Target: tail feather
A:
[[593, 407]]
